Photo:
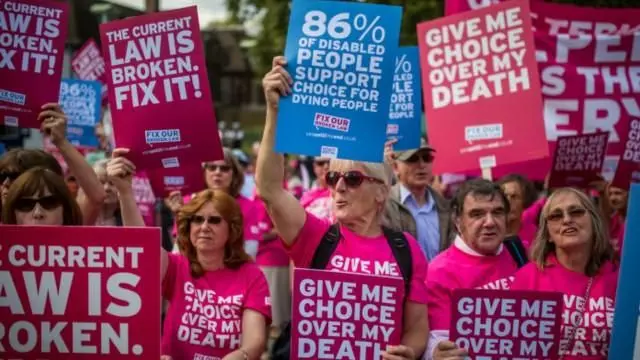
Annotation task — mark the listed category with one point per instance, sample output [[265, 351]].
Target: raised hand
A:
[[277, 82]]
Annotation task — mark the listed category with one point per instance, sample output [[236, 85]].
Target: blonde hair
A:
[[601, 248]]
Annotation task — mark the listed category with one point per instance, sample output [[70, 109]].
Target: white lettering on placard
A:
[[140, 71]]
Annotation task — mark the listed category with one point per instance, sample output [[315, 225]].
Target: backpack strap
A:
[[402, 253], [325, 249], [516, 249]]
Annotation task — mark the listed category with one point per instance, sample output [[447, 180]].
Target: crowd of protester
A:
[[262, 214]]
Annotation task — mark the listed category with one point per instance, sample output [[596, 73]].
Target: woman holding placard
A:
[[359, 192], [219, 299], [40, 197], [572, 254]]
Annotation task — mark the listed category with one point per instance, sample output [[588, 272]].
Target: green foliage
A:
[[273, 16]]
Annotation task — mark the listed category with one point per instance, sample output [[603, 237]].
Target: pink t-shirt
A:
[[527, 234], [270, 253], [317, 202], [358, 254], [457, 269], [593, 335], [616, 232], [205, 314]]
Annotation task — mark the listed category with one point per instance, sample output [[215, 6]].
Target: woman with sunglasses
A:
[[40, 197], [54, 126], [318, 199], [227, 175], [218, 298], [572, 254], [359, 192]]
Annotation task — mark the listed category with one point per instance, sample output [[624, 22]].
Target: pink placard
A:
[[458, 6], [507, 325], [478, 71], [144, 198], [89, 64], [159, 94], [31, 56], [344, 315], [80, 293], [578, 160], [628, 170], [186, 179]]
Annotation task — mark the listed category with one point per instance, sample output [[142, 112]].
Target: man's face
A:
[[416, 171], [618, 198], [483, 222]]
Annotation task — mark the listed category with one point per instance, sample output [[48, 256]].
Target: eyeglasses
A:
[[352, 179], [46, 202], [11, 176], [559, 215], [321, 162], [214, 167], [426, 157], [199, 219]]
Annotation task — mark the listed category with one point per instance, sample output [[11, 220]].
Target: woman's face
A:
[[515, 195], [7, 177], [320, 168], [44, 209], [218, 175], [109, 189], [355, 195], [569, 223], [209, 232]]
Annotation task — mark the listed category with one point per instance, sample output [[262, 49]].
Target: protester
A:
[[110, 212], [618, 201], [359, 191], [212, 262], [521, 195], [54, 126], [227, 175], [40, 197], [415, 207], [477, 258], [317, 200], [572, 255]]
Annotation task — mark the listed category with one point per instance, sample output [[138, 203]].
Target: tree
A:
[[273, 15]]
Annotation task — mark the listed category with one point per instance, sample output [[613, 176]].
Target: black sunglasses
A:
[[46, 202], [11, 176], [352, 178], [199, 219], [214, 167], [426, 157], [321, 162]]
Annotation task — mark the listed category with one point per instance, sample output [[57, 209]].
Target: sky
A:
[[208, 10]]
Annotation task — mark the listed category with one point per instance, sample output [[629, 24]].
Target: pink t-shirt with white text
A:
[[205, 314], [318, 202], [358, 254], [271, 253], [593, 335], [455, 269]]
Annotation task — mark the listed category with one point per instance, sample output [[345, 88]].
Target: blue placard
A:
[[81, 102], [340, 55], [405, 109], [625, 336]]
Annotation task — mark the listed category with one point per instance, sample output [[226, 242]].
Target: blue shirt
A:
[[427, 222]]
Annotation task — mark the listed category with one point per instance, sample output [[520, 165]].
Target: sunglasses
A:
[[11, 176], [199, 219], [574, 214], [352, 179], [46, 202], [321, 162], [214, 167], [426, 157]]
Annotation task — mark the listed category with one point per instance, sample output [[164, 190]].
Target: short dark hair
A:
[[529, 192], [476, 187], [21, 160]]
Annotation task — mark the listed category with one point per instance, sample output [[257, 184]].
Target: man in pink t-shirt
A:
[[477, 259]]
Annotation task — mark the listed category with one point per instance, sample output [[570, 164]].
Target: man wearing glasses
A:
[[414, 206]]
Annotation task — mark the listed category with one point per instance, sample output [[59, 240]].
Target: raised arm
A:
[[54, 125], [285, 211]]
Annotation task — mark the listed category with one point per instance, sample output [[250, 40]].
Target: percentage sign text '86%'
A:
[[315, 24], [403, 64]]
